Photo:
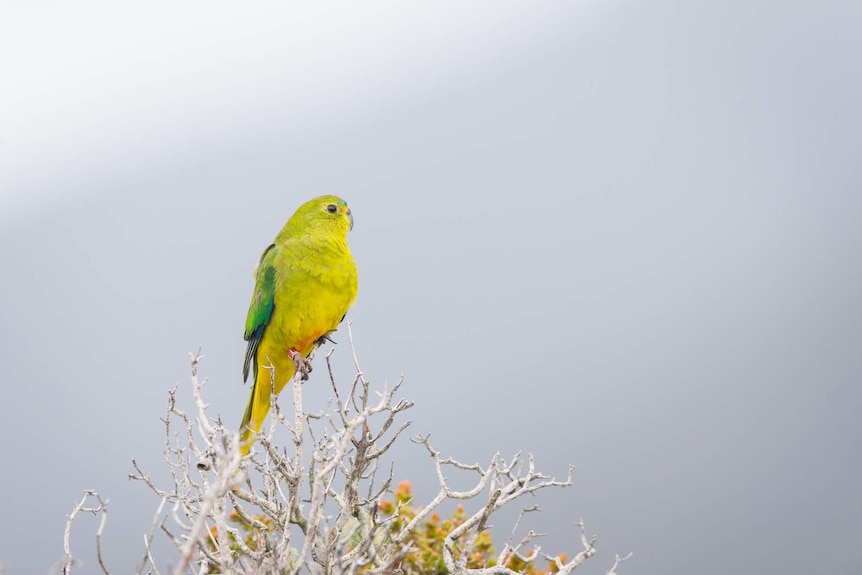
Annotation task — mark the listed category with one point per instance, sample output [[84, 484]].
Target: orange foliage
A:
[[428, 538]]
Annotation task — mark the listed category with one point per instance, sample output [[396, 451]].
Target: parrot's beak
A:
[[350, 218]]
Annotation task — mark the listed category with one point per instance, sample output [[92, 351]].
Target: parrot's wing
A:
[[262, 304]]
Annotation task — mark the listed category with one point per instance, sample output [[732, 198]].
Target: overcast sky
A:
[[623, 235]]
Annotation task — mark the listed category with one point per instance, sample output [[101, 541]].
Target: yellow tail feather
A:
[[255, 413], [259, 401]]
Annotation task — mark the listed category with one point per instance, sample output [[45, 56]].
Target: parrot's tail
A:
[[255, 413]]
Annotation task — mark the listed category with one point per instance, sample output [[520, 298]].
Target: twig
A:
[[102, 509]]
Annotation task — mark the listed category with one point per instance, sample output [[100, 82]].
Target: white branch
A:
[[100, 509], [314, 505]]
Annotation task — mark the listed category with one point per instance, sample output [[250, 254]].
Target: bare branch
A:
[[100, 509], [617, 561], [315, 504]]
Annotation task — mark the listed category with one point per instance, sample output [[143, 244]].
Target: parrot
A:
[[304, 284]]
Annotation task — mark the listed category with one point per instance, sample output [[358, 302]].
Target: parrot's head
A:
[[325, 214]]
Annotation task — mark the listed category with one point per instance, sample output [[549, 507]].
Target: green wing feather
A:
[[260, 310]]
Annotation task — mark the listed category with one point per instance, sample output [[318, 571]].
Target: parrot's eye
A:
[[331, 208]]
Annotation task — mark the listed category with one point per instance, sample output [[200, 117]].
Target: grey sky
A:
[[625, 232]]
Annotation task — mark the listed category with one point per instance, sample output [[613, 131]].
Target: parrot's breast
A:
[[312, 296]]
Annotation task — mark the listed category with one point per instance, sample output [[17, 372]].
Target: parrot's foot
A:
[[324, 338], [303, 366]]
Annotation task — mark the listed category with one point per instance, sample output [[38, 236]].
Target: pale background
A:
[[614, 233]]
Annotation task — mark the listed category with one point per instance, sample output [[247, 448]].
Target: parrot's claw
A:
[[303, 366], [324, 338]]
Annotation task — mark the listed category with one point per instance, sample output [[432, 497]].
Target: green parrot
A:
[[304, 284]]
